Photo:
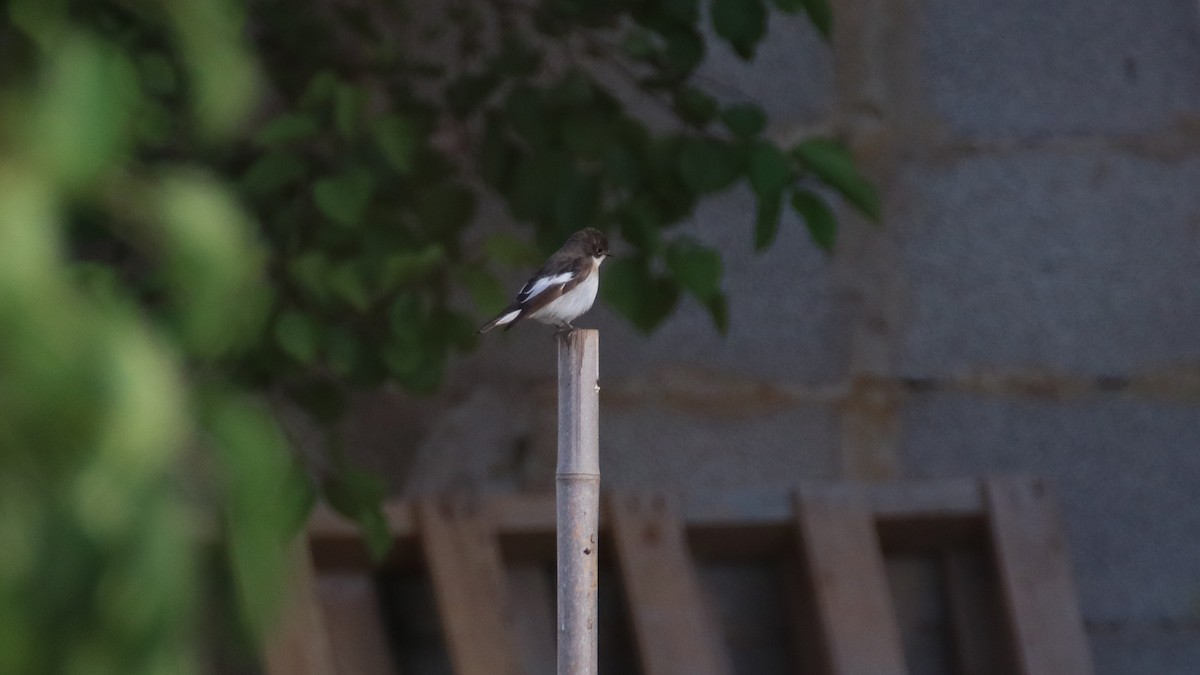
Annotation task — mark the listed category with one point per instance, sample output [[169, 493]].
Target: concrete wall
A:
[[1032, 302]]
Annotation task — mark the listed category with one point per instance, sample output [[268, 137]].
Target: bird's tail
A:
[[506, 318]]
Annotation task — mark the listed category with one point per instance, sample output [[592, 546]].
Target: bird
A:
[[563, 288]]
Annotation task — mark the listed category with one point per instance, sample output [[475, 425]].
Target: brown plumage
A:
[[563, 288]]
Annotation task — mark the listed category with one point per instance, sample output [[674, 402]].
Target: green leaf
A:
[[396, 137], [83, 110], [261, 494], [707, 165], [639, 44], [287, 128], [696, 267], [358, 495], [745, 120], [510, 250], [298, 335], [770, 173], [831, 162], [309, 271], [622, 166], [154, 123], [536, 182], [485, 289], [576, 205], [526, 112], [466, 92], [344, 198], [768, 169], [766, 223], [319, 397], [349, 103], [452, 329], [684, 52], [320, 88], [346, 282], [101, 282], [429, 373], [157, 74], [575, 90], [789, 6], [640, 223], [516, 58], [362, 22], [822, 224], [445, 209], [406, 315], [642, 298], [821, 15], [223, 81], [587, 133], [211, 259], [695, 107], [405, 267], [718, 309], [496, 153], [271, 173], [684, 12], [414, 357], [741, 22], [342, 349]]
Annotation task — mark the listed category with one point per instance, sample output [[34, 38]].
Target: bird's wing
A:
[[544, 289], [539, 285], [549, 283]]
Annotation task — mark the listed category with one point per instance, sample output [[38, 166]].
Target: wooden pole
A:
[[578, 498]]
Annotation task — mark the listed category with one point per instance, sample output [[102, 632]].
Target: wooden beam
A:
[[300, 643], [844, 563], [355, 623], [911, 516], [1035, 573], [977, 624], [531, 588], [807, 654], [463, 561], [675, 630]]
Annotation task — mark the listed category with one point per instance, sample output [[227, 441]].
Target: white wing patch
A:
[[537, 286], [568, 307], [508, 318]]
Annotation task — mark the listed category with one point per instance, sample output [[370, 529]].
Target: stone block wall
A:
[[1030, 304]]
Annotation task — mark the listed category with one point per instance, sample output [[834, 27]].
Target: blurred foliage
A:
[[203, 202]]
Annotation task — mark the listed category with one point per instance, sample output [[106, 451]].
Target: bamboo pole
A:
[[577, 499]]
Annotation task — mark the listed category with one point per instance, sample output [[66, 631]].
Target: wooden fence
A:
[[1018, 614]]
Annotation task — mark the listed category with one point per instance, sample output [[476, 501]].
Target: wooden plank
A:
[[337, 543], [463, 560], [807, 655], [674, 628], [976, 614], [841, 551], [1035, 574], [531, 588], [910, 515], [355, 623], [299, 644]]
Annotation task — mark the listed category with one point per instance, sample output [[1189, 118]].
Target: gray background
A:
[[1031, 303]]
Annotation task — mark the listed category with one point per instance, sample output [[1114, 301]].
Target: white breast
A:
[[572, 304]]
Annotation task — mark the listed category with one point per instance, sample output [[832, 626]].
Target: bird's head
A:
[[592, 242]]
